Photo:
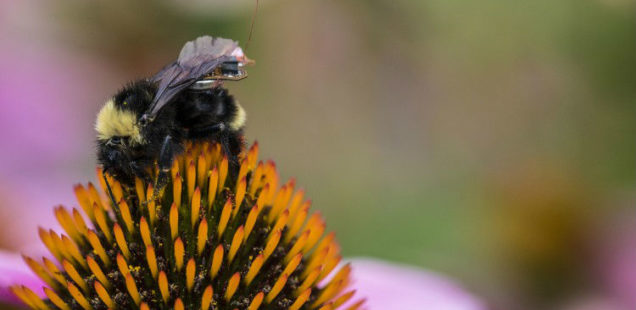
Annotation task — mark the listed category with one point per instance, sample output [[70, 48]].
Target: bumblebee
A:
[[149, 120]]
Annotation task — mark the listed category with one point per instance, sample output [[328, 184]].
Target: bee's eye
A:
[[115, 140]]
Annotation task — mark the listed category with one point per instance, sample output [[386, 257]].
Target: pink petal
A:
[[13, 270], [392, 286]]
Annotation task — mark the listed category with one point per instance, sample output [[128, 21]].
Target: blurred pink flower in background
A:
[[45, 88], [13, 270], [41, 143], [394, 286], [618, 258]]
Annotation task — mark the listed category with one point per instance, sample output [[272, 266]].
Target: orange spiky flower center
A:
[[212, 240]]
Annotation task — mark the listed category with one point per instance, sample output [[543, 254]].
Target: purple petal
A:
[[393, 286], [617, 252], [13, 270]]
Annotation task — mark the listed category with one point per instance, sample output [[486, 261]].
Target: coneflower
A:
[[213, 239]]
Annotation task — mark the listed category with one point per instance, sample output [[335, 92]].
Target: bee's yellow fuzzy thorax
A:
[[112, 122]]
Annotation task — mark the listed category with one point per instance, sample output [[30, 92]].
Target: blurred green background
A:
[[492, 141]]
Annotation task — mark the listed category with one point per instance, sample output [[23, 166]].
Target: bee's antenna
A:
[[249, 38], [110, 191]]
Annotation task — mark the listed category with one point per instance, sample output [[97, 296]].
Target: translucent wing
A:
[[197, 59]]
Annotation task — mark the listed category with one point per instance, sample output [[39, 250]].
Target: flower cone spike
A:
[[218, 236]]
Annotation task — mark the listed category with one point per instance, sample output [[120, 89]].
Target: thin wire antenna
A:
[[249, 38]]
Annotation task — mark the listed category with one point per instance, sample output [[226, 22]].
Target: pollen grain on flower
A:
[[215, 238]]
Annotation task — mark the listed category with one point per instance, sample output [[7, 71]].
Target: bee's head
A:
[[118, 121], [118, 131]]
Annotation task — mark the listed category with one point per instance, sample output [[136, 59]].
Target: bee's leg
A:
[[225, 145], [166, 156], [108, 189], [224, 139]]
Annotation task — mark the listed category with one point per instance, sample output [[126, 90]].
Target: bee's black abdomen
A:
[[208, 115], [201, 109]]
